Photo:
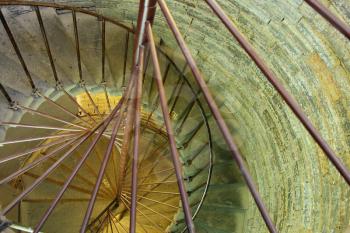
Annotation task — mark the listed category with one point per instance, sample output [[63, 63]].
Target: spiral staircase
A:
[[42, 114], [64, 71]]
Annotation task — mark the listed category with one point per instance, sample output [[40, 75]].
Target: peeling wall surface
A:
[[302, 190]]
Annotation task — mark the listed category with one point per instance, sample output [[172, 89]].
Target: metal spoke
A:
[[37, 162], [152, 200], [21, 154], [137, 123], [78, 105], [104, 125], [174, 152], [150, 209], [6, 94], [46, 115], [47, 45], [18, 52], [87, 181], [12, 124], [35, 139], [125, 201], [330, 17], [41, 178], [59, 183], [64, 109]]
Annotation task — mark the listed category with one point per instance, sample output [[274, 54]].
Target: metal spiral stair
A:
[[29, 113], [69, 84]]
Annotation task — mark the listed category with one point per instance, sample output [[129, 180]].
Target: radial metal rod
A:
[[22, 125], [32, 139], [137, 123], [41, 178], [340, 25], [217, 115], [101, 174], [46, 115], [127, 203], [36, 162], [150, 209], [155, 201], [127, 134], [6, 94], [59, 195], [59, 183], [47, 45], [125, 57], [92, 101], [77, 46], [174, 152], [104, 124], [78, 105], [21, 154], [16, 48], [103, 50], [294, 106], [64, 109]]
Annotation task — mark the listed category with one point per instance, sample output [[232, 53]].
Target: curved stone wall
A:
[[301, 189]]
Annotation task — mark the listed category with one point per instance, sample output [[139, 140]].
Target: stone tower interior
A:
[[115, 119]]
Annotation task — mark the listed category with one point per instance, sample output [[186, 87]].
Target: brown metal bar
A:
[[93, 172], [87, 181], [77, 46], [125, 57], [114, 224], [78, 105], [152, 200], [59, 183], [64, 109], [116, 220], [46, 115], [41, 178], [148, 208], [330, 17], [127, 135], [174, 152], [103, 49], [47, 45], [107, 97], [35, 139], [137, 123], [280, 89], [92, 101], [21, 154], [18, 52], [104, 125], [101, 174], [36, 162], [217, 115], [6, 94], [44, 200], [126, 201], [12, 124], [110, 181]]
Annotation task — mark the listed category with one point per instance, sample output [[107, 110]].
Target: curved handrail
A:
[[66, 7]]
